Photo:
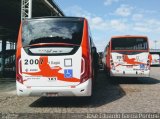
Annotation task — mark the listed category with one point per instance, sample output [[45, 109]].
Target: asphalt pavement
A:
[[120, 95]]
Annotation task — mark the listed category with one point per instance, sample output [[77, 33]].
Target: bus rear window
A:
[[52, 30], [129, 44]]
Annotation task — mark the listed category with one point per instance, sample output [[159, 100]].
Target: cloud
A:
[[137, 17], [98, 23], [153, 22], [124, 10], [138, 23], [95, 22], [118, 25], [141, 29], [109, 2], [77, 11], [154, 25], [147, 11], [147, 25]]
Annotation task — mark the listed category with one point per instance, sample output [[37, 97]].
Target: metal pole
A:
[[3, 56], [26, 9], [155, 43], [30, 9], [22, 11]]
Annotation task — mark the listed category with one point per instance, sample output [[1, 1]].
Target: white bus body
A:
[[127, 56], [54, 58]]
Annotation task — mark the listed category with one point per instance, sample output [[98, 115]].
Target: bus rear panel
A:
[[53, 58], [128, 57]]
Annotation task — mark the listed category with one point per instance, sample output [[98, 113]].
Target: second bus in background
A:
[[127, 56]]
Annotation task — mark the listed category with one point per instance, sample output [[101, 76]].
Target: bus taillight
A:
[[84, 70], [149, 61], [82, 66], [148, 64], [112, 63], [19, 70]]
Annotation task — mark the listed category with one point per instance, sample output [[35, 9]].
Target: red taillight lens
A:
[[82, 66], [85, 72], [148, 64], [19, 70], [149, 61], [112, 63]]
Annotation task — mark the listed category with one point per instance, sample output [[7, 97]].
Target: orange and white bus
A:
[[127, 56], [55, 57]]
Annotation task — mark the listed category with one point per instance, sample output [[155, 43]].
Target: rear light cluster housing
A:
[[19, 70]]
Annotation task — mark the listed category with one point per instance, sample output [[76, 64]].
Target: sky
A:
[[108, 18]]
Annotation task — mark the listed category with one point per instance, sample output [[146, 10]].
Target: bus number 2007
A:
[[32, 61]]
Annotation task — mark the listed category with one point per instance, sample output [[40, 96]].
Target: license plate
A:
[[52, 78], [51, 94]]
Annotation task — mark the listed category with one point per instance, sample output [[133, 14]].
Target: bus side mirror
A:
[[94, 50]]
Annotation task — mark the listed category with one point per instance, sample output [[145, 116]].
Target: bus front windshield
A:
[[52, 30], [129, 44]]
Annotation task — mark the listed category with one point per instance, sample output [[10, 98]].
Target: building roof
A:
[[10, 11]]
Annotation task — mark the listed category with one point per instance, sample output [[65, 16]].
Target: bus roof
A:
[[129, 36], [50, 17]]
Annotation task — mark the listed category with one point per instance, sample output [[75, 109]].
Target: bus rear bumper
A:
[[129, 73], [83, 89], [155, 64]]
